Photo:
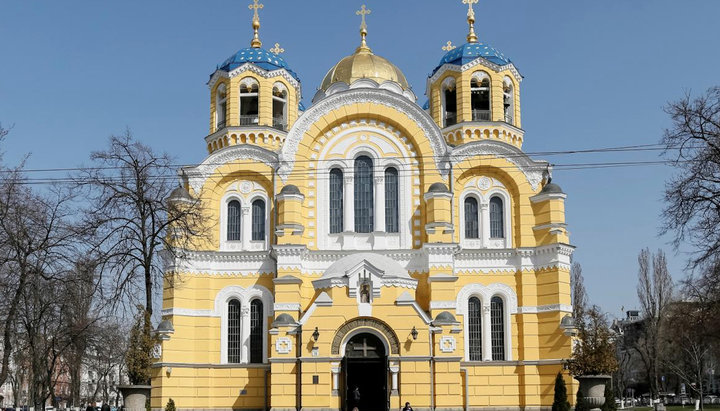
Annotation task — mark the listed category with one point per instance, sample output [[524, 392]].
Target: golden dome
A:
[[363, 64]]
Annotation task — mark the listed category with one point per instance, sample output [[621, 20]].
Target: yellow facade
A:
[[366, 243]]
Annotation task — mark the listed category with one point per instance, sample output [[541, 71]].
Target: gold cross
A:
[[364, 12], [449, 46], [470, 9], [471, 37], [255, 6], [277, 49]]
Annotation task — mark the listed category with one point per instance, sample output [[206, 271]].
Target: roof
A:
[[259, 57], [290, 189], [438, 188], [471, 51], [551, 188], [388, 266]]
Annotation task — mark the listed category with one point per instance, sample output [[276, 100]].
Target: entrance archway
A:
[[365, 373]]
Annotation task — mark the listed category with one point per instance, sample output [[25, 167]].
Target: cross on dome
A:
[[363, 26], [449, 46], [256, 43], [471, 37], [277, 49]]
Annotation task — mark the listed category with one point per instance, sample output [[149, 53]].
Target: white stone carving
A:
[[484, 183], [287, 306], [545, 308], [440, 305], [283, 345], [479, 61], [157, 351], [246, 187], [533, 170], [377, 96], [199, 174], [447, 343], [260, 72]]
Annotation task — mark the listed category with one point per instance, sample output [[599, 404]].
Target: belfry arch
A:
[[366, 324]]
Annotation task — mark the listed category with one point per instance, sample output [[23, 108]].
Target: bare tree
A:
[[692, 196], [579, 294], [654, 292]]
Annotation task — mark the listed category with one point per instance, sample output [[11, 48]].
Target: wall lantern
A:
[[316, 334], [414, 333]]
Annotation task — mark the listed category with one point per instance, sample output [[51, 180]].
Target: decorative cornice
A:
[[199, 174], [480, 61], [218, 74], [534, 171], [243, 263], [547, 196], [545, 309], [377, 96]]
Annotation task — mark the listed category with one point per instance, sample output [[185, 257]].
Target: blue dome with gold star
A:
[[260, 57], [471, 51]]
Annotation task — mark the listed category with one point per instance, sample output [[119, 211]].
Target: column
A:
[[245, 333], [246, 224], [335, 369], [349, 203], [484, 225], [486, 332], [379, 223], [394, 369]]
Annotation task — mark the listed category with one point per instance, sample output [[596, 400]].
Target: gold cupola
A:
[[363, 64]]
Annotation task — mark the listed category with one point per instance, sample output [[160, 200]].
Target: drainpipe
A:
[[432, 369], [298, 368], [452, 199], [465, 373], [265, 390]]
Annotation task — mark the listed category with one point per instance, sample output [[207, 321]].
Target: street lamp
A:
[[316, 334]]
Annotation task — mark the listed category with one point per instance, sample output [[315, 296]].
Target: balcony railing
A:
[[450, 119], [481, 115], [249, 120], [509, 118], [220, 125], [279, 123]]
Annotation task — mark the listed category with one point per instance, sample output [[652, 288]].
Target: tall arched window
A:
[[280, 96], [256, 332], [497, 329], [474, 323], [449, 97], [497, 226], [336, 200], [480, 96], [220, 107], [249, 102], [471, 218], [508, 101], [364, 195], [234, 349], [233, 220], [258, 220], [391, 200]]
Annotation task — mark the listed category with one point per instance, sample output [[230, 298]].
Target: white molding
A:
[[547, 196], [529, 309], [406, 299], [198, 175], [534, 171], [479, 61], [447, 344], [218, 74], [224, 263], [188, 312], [283, 345], [377, 96], [439, 305], [287, 306]]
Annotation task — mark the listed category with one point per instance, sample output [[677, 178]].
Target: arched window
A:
[[480, 96], [249, 102], [497, 329], [364, 195], [508, 101], [391, 200], [497, 226], [474, 324], [220, 107], [449, 99], [279, 96], [233, 220], [471, 218], [234, 349], [256, 332], [336, 200], [258, 220]]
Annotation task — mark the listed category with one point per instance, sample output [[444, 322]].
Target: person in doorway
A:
[[407, 407], [356, 397]]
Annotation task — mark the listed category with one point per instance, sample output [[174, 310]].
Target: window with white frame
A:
[[234, 218], [234, 342], [279, 106], [485, 219], [480, 96], [244, 218], [258, 220], [486, 327], [249, 88], [391, 200], [256, 331], [474, 329], [364, 198], [497, 329], [220, 107], [497, 221], [448, 93], [509, 100], [472, 229], [243, 313], [336, 201]]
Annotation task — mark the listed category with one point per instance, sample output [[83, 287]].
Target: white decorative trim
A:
[[287, 306], [245, 297], [188, 312], [224, 263], [485, 293], [534, 171], [484, 261], [547, 196], [197, 175], [440, 305], [377, 96], [529, 309], [447, 343], [218, 74], [340, 86], [479, 61], [406, 299], [283, 345]]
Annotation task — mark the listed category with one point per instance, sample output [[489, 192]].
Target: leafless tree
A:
[[579, 294], [133, 223], [654, 292], [692, 196]]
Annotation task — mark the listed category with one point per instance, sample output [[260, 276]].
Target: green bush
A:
[[170, 405], [609, 398], [561, 402], [580, 404], [139, 356]]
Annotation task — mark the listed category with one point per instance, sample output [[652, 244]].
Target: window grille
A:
[[364, 195], [496, 218], [234, 352], [258, 220], [471, 218], [233, 220], [256, 332], [391, 200], [474, 329], [497, 329], [336, 200]]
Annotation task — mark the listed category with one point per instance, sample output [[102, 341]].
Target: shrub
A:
[[594, 351], [609, 398], [139, 356], [561, 402], [580, 404], [170, 405]]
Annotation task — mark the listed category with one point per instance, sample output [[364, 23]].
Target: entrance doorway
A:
[[365, 371]]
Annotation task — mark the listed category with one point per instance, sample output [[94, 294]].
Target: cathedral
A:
[[367, 249]]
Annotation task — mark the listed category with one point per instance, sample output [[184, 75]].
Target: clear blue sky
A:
[[597, 74]]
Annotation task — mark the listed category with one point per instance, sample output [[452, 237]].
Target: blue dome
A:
[[259, 57], [469, 52]]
